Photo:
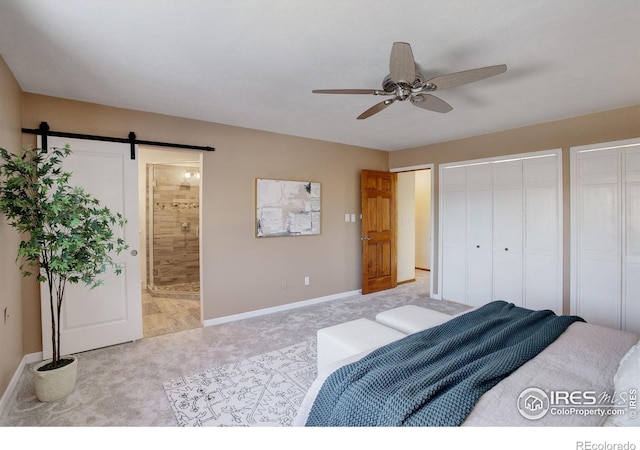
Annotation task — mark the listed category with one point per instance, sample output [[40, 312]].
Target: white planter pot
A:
[[52, 385]]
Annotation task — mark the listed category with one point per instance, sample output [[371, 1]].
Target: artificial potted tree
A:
[[68, 237]]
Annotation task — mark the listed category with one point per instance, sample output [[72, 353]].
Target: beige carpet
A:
[[123, 385]]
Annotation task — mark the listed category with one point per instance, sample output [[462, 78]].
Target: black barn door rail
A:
[[44, 131]]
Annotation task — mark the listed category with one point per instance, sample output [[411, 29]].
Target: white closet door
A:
[[479, 234], [631, 258], [507, 232], [598, 288], [501, 231], [543, 238], [453, 235]]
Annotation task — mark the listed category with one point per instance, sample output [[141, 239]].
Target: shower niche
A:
[[173, 233]]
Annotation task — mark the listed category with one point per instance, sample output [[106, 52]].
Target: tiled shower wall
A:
[[175, 225]]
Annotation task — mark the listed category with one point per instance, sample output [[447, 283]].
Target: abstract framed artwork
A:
[[287, 208]]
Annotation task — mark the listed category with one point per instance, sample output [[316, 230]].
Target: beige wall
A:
[[423, 219], [406, 246], [606, 126], [242, 273], [11, 347]]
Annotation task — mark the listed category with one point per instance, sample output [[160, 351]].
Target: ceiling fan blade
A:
[[466, 76], [402, 66], [346, 91], [430, 102], [376, 108]]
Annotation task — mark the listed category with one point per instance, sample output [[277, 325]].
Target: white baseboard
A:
[[262, 312], [26, 359]]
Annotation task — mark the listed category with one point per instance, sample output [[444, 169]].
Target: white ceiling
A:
[[253, 63]]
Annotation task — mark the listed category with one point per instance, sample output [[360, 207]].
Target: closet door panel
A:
[[542, 254], [543, 283], [454, 274], [599, 292], [598, 221], [479, 247], [453, 210], [454, 219], [542, 279], [454, 266], [507, 277], [479, 176], [541, 226], [507, 244], [631, 257], [599, 167], [599, 271], [632, 298]]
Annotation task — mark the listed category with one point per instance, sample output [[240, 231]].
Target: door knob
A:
[[134, 252]]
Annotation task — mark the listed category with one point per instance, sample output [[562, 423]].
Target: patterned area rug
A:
[[265, 390]]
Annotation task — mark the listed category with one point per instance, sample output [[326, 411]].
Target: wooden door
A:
[[379, 236], [111, 313]]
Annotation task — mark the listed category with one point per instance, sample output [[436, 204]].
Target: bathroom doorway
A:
[[170, 234]]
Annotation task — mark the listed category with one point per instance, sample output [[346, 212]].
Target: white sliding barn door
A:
[[111, 313]]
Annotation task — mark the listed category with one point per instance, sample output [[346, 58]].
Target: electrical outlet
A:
[[306, 281]]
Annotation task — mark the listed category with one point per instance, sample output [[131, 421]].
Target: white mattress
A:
[[584, 358]]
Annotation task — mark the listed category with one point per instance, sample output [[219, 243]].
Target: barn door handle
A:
[[365, 238]]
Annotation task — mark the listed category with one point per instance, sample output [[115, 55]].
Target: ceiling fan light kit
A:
[[404, 82]]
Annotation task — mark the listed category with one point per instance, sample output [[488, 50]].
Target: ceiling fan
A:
[[404, 82]]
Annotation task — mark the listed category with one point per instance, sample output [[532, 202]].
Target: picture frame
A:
[[287, 208]]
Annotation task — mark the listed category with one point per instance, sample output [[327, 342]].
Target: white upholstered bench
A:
[[410, 319], [350, 338]]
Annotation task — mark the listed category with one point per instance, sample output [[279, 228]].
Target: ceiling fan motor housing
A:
[[401, 90]]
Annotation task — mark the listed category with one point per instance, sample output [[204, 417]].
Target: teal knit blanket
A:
[[436, 376]]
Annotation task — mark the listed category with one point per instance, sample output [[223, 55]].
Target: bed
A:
[[586, 375]]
